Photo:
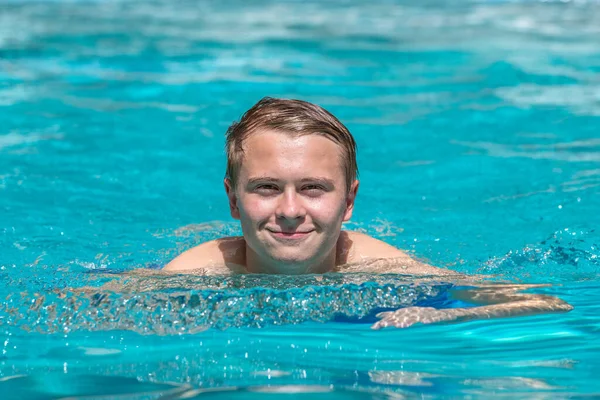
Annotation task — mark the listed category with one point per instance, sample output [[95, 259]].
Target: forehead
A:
[[271, 153]]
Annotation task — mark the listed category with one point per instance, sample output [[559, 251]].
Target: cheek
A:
[[327, 210], [256, 209]]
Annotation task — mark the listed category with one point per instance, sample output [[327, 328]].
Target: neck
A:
[[260, 265]]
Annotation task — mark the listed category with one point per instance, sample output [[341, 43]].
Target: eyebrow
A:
[[261, 179], [318, 179]]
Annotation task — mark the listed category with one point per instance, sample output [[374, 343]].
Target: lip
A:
[[295, 235]]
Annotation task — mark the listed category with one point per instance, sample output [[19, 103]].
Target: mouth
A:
[[291, 235]]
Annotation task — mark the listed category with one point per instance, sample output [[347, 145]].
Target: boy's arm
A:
[[497, 301], [500, 302]]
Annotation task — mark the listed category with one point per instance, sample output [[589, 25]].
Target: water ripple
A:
[[167, 305]]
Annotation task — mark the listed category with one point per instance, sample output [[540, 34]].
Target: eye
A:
[[313, 189], [266, 189]]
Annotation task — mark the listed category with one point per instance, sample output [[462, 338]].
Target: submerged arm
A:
[[499, 302]]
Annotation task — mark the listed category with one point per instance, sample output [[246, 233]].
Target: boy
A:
[[292, 181]]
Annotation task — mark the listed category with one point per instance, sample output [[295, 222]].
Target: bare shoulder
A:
[[362, 253], [221, 256], [356, 246]]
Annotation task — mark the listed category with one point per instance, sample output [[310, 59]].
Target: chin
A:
[[291, 258], [295, 262], [296, 256]]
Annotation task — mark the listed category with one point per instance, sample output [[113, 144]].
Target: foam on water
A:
[[566, 255], [167, 305]]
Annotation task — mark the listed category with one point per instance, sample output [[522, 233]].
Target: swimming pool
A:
[[477, 126]]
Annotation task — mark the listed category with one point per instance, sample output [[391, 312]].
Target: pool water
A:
[[477, 124]]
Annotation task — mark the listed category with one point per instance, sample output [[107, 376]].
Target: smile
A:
[[290, 235]]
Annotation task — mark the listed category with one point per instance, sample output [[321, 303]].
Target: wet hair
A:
[[292, 117]]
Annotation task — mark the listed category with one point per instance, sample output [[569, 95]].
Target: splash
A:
[[567, 254], [167, 305]]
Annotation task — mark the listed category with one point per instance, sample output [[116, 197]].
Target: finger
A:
[[378, 325]]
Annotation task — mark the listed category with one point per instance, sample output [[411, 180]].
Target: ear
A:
[[230, 190], [350, 200]]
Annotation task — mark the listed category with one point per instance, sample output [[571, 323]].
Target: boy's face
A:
[[291, 197]]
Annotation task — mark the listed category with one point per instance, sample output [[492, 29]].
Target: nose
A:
[[290, 206]]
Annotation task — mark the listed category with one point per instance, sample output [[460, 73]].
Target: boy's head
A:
[[291, 181]]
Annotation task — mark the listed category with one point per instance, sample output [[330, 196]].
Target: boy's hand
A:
[[405, 317]]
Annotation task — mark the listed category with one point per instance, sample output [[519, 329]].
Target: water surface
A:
[[478, 150]]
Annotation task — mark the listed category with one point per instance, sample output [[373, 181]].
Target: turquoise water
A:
[[477, 126]]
